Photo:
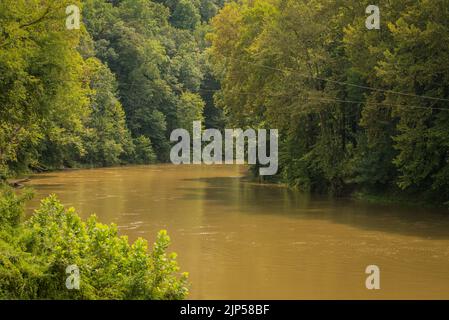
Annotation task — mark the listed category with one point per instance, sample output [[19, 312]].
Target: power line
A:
[[378, 103], [342, 101], [342, 82]]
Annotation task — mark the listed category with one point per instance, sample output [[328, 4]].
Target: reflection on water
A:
[[242, 240]]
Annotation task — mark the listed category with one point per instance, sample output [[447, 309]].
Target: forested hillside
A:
[[106, 94], [357, 109]]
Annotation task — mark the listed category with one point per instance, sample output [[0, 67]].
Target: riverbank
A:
[[399, 199]]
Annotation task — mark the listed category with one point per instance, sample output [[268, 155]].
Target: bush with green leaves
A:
[[144, 152], [34, 256]]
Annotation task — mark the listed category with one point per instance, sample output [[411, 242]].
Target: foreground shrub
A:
[[34, 257]]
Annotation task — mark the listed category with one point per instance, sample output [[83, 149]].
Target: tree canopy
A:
[[357, 108], [106, 94]]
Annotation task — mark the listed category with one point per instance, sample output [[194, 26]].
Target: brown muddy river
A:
[[242, 240]]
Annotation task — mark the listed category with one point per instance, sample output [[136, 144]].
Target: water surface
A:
[[243, 240]]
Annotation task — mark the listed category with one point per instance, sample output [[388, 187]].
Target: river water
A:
[[243, 240]]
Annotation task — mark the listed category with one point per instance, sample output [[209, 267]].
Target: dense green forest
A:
[[107, 94], [357, 110]]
